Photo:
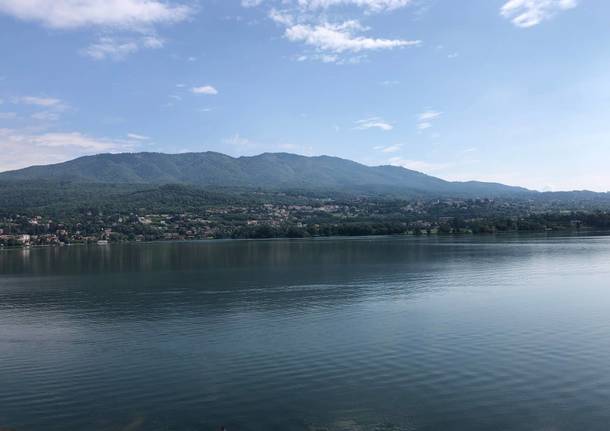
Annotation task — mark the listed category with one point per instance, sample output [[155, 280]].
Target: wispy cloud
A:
[[373, 123], [205, 89], [75, 139], [371, 5], [429, 115], [138, 137], [52, 107], [73, 14], [108, 47], [528, 13], [21, 148], [388, 149], [333, 40], [118, 48], [251, 3], [426, 118], [46, 102], [341, 37], [128, 25]]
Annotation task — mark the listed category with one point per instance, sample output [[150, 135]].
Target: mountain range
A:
[[269, 171]]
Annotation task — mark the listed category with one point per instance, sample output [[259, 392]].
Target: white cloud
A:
[[71, 14], [389, 149], [74, 139], [373, 123], [426, 118], [108, 47], [336, 37], [528, 13], [8, 115], [119, 48], [251, 3], [341, 37], [205, 89], [46, 102], [429, 115], [327, 58], [22, 148], [332, 58], [281, 17], [371, 5], [137, 137], [152, 42], [117, 18], [53, 107]]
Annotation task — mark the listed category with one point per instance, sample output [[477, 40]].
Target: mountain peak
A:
[[274, 171]]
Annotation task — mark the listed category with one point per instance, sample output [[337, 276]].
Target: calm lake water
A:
[[484, 333]]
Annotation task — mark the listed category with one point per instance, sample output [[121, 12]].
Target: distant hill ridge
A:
[[273, 171]]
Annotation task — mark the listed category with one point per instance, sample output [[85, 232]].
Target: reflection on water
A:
[[364, 334]]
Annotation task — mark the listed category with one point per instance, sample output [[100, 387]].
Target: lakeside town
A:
[[319, 217]]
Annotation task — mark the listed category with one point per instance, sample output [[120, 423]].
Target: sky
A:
[[513, 91]]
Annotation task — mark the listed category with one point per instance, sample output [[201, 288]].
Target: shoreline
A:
[[557, 232]]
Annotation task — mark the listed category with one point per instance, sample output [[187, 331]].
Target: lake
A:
[[472, 333]]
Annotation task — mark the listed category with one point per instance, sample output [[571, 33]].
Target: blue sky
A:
[[515, 91]]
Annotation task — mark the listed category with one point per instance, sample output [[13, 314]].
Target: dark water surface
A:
[[355, 334]]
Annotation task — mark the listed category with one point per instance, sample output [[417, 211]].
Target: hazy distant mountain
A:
[[273, 171]]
